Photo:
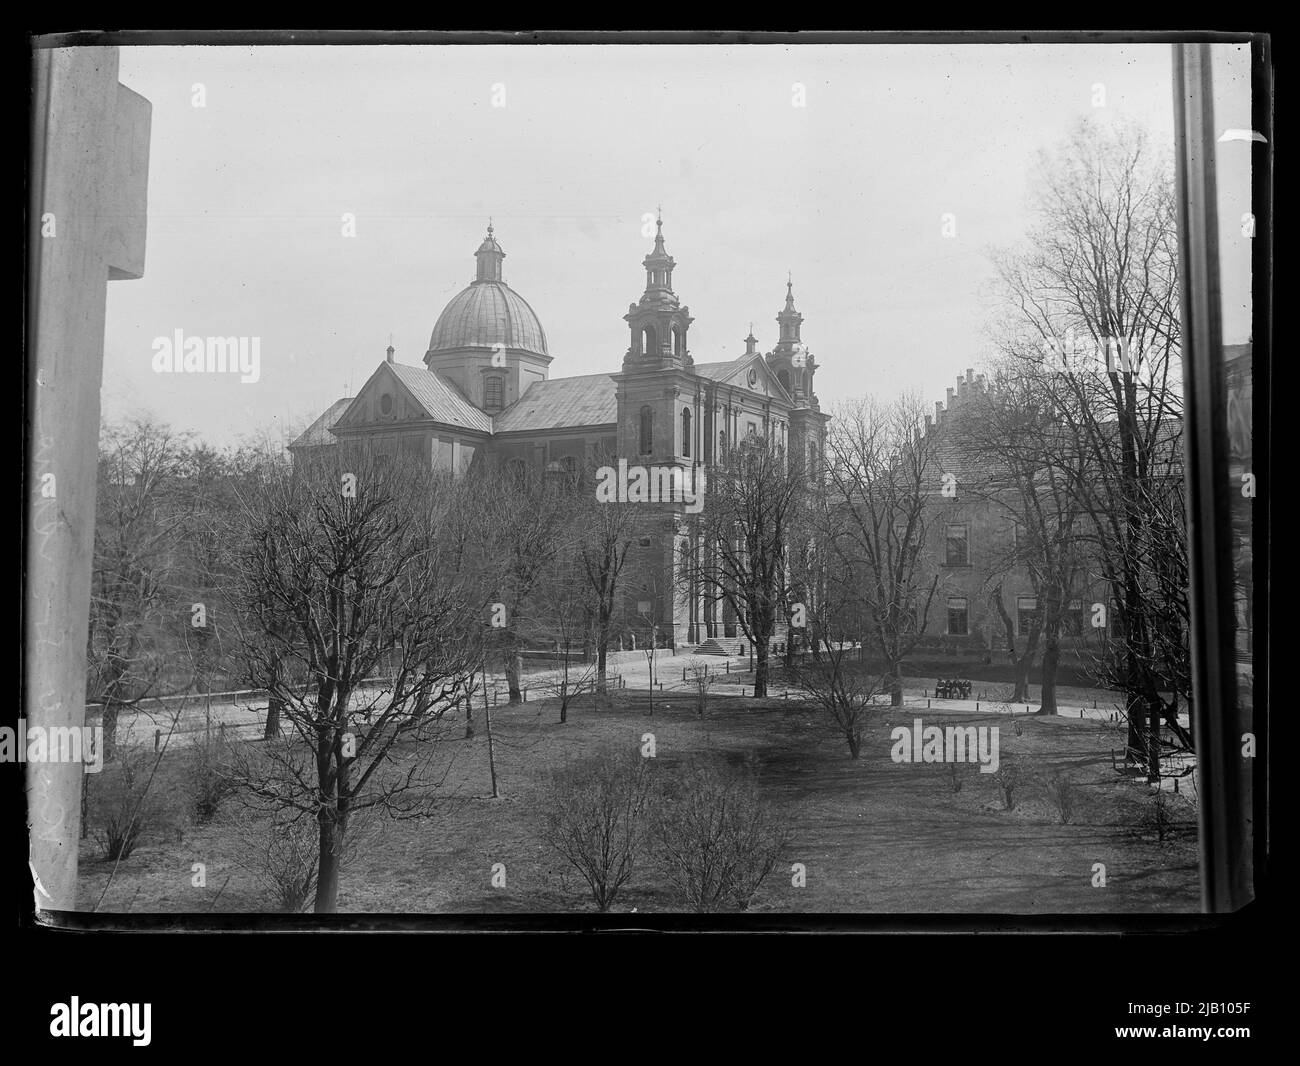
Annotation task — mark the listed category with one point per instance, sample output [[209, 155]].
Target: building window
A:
[[493, 394], [569, 465], [677, 340], [958, 617], [647, 431], [385, 404], [1026, 614], [957, 546], [751, 429], [648, 340], [686, 431]]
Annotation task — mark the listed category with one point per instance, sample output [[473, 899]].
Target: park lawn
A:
[[873, 835]]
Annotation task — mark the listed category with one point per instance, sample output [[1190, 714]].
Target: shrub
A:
[[1007, 777], [121, 808], [282, 851], [209, 777], [1061, 795], [714, 838], [595, 818]]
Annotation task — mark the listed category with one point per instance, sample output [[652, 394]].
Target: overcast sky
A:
[[247, 194]]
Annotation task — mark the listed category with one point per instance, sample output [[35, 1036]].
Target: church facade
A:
[[485, 394]]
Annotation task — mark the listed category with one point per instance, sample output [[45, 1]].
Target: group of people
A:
[[952, 689]]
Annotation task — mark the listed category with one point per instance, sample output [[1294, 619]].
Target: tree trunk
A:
[[1153, 738], [895, 683], [514, 669], [333, 825], [601, 658], [109, 724], [760, 668], [274, 706], [1051, 664], [492, 759]]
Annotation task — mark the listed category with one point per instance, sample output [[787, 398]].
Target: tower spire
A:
[[789, 319], [489, 256]]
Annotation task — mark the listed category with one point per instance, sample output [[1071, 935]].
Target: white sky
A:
[[246, 197]]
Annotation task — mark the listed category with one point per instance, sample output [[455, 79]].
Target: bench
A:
[[952, 689]]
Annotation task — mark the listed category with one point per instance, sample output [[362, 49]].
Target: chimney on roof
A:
[[938, 411], [390, 353], [950, 395], [970, 375]]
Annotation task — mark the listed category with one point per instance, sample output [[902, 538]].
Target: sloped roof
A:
[[718, 371], [590, 400], [319, 431], [441, 400]]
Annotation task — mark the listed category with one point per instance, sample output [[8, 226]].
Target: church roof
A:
[[718, 371], [319, 431], [441, 400], [485, 314], [590, 400]]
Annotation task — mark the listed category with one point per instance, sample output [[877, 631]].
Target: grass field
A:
[[874, 836]]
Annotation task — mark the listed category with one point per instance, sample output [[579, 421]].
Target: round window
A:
[[386, 404]]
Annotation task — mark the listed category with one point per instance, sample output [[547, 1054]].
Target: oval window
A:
[[386, 404]]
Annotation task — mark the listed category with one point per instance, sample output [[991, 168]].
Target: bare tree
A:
[[138, 521], [353, 557], [842, 688], [604, 536], [739, 555], [714, 837], [1091, 301], [523, 525], [882, 474], [595, 816], [1028, 481]]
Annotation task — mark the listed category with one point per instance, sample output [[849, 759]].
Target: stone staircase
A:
[[728, 646]]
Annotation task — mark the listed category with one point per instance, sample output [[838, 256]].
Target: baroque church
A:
[[485, 395]]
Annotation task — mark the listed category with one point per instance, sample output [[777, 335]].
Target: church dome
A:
[[489, 312]]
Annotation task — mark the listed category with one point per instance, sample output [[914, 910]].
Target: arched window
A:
[[647, 431], [686, 431], [783, 376], [493, 394], [677, 340], [648, 345]]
